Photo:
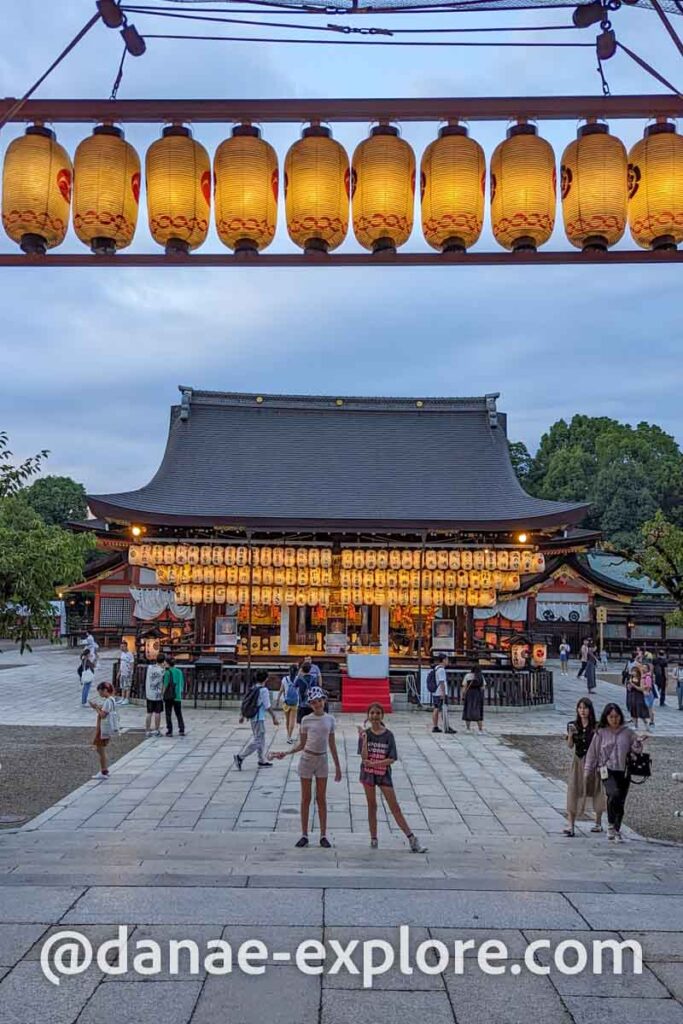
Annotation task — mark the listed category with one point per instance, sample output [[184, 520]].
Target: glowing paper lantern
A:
[[655, 179], [383, 189], [36, 190], [317, 190], [245, 190], [106, 190], [523, 185], [594, 188], [452, 183], [178, 179]]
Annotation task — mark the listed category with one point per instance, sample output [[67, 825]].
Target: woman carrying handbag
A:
[[609, 754]]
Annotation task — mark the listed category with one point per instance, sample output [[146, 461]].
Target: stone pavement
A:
[[177, 844]]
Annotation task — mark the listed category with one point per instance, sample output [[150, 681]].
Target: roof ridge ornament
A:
[[185, 403], [492, 410]]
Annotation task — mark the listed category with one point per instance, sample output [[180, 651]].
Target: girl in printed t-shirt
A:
[[377, 748]]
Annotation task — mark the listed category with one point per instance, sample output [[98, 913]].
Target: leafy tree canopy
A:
[[626, 473], [35, 556], [660, 554], [57, 499]]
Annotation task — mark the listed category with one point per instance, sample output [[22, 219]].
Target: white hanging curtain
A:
[[562, 611], [150, 602], [515, 610]]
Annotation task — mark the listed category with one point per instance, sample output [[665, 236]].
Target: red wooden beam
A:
[[562, 108], [544, 258]]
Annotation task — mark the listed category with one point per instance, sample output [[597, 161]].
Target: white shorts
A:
[[313, 766]]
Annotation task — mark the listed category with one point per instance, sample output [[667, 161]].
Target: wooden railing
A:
[[218, 684]]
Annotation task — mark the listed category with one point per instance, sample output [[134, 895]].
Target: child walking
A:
[[315, 737], [107, 725], [377, 748]]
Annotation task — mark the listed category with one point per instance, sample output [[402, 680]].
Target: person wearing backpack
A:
[[436, 684], [305, 681], [254, 707], [173, 686], [288, 700]]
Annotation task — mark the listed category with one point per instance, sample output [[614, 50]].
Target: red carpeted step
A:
[[358, 694]]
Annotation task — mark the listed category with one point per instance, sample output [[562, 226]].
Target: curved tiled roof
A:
[[321, 461]]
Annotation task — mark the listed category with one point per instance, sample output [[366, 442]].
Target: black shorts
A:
[[302, 712], [437, 702], [155, 707], [373, 779]]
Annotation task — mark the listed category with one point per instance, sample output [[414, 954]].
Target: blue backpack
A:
[[291, 693]]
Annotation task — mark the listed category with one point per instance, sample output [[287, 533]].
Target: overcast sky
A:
[[91, 359]]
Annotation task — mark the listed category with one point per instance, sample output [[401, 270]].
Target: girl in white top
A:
[[315, 737]]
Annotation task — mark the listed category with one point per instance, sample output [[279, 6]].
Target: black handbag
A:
[[639, 767]]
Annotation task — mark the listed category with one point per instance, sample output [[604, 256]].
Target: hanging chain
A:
[[605, 83], [119, 75]]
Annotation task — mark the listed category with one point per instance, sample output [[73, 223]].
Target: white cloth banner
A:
[[151, 602], [515, 610], [562, 611]]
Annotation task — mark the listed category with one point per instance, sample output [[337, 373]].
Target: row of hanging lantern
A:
[[439, 579], [442, 558], [184, 554], [601, 188], [300, 597], [234, 575]]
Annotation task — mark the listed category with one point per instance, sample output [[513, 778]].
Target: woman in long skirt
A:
[[473, 698], [580, 787]]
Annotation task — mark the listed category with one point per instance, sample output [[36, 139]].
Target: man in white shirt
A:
[[126, 666], [439, 698], [153, 694]]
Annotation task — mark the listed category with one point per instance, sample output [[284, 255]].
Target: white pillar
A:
[[384, 629], [284, 629]]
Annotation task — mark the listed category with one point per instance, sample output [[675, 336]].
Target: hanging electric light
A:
[[523, 186], [317, 190], [178, 179], [383, 189], [452, 183], [245, 190], [655, 187], [594, 188], [106, 190], [36, 190]]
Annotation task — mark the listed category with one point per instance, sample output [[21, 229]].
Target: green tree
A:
[[521, 460], [13, 478], [57, 499], [626, 473], [660, 554], [35, 557]]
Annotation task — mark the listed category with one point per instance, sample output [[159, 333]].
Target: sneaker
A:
[[451, 731], [302, 842], [157, 732], [374, 843], [415, 845], [169, 734], [182, 734], [436, 729], [619, 838], [238, 762], [325, 843], [265, 764], [611, 833], [101, 775], [148, 734]]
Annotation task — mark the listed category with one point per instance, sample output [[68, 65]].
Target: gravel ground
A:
[[650, 807], [40, 765]]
